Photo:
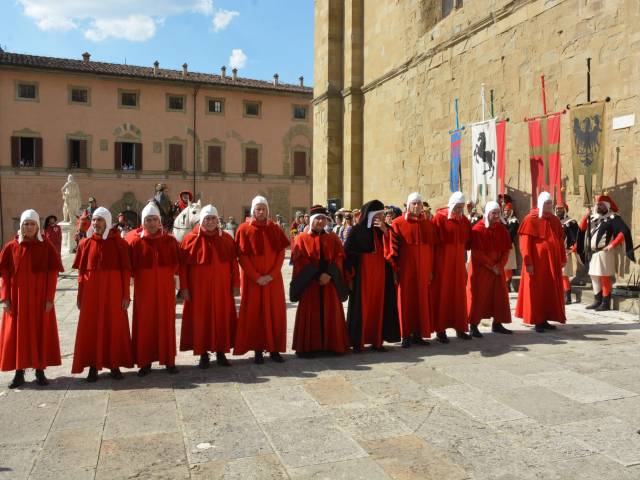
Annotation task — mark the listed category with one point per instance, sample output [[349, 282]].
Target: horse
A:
[[186, 220]]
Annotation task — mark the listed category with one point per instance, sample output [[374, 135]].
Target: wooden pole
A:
[[588, 79], [457, 119], [544, 96], [492, 115]]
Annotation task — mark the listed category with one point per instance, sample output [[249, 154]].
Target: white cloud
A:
[[222, 19], [102, 19], [238, 59]]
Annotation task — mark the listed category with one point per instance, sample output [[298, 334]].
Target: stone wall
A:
[[413, 69]]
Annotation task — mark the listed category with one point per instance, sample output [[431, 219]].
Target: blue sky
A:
[[267, 36]]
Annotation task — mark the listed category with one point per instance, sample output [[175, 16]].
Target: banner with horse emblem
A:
[[544, 156], [587, 140], [454, 168], [483, 161]]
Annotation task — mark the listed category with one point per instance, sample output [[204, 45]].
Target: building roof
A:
[[143, 73]]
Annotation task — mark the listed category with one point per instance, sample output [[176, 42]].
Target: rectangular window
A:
[[252, 109], [26, 152], [79, 95], [251, 160], [214, 159], [215, 105], [129, 99], [175, 103], [175, 157], [128, 156], [77, 154], [300, 164], [27, 91], [447, 6], [299, 112]]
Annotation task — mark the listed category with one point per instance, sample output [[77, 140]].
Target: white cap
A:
[[29, 215], [488, 208], [150, 210], [414, 197], [105, 214], [455, 199], [542, 199], [259, 200], [208, 211]]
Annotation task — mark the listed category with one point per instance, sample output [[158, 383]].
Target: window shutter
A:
[[215, 159], [15, 151], [175, 157], [251, 160], [117, 156], [138, 155], [38, 153], [83, 154], [300, 164]]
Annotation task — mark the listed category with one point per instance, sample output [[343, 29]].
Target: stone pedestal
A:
[[68, 243]]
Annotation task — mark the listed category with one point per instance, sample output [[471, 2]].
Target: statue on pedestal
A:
[[72, 200]]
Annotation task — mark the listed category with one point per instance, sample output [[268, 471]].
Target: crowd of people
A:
[[406, 275]]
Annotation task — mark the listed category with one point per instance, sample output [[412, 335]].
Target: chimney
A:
[[156, 65], [276, 78], [223, 72], [86, 56], [234, 74], [184, 70], [301, 81]]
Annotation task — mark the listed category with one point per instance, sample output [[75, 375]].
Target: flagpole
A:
[[482, 100], [544, 97]]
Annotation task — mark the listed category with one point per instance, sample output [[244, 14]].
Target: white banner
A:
[[484, 161]]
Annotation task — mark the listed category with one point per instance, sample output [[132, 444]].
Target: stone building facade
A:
[[121, 129], [387, 73]]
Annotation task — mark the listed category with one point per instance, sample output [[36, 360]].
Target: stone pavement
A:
[[561, 405]]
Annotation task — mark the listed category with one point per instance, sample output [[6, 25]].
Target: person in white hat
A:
[[262, 324], [29, 266], [103, 339], [209, 281], [154, 264]]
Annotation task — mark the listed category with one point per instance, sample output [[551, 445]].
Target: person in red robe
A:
[[372, 317], [154, 263], [450, 280], [318, 284], [53, 232], [104, 271], [262, 324], [209, 281], [29, 265], [541, 294], [487, 294], [409, 249]]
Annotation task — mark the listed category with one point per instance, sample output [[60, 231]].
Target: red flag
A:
[[544, 156], [501, 128]]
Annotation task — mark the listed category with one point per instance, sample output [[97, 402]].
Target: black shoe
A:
[[259, 358], [221, 359], [204, 361], [406, 342], [442, 337], [548, 326], [498, 328], [463, 335], [18, 379], [540, 328], [116, 374], [171, 369], [605, 305], [144, 371], [381, 348], [356, 349], [93, 375], [418, 340], [305, 355], [276, 357], [567, 297], [597, 300], [41, 379], [474, 331]]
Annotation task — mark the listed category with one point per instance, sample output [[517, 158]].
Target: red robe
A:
[[103, 339], [541, 295], [487, 295], [154, 262], [54, 235], [29, 335], [320, 323], [262, 324], [210, 272], [450, 281], [410, 250]]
